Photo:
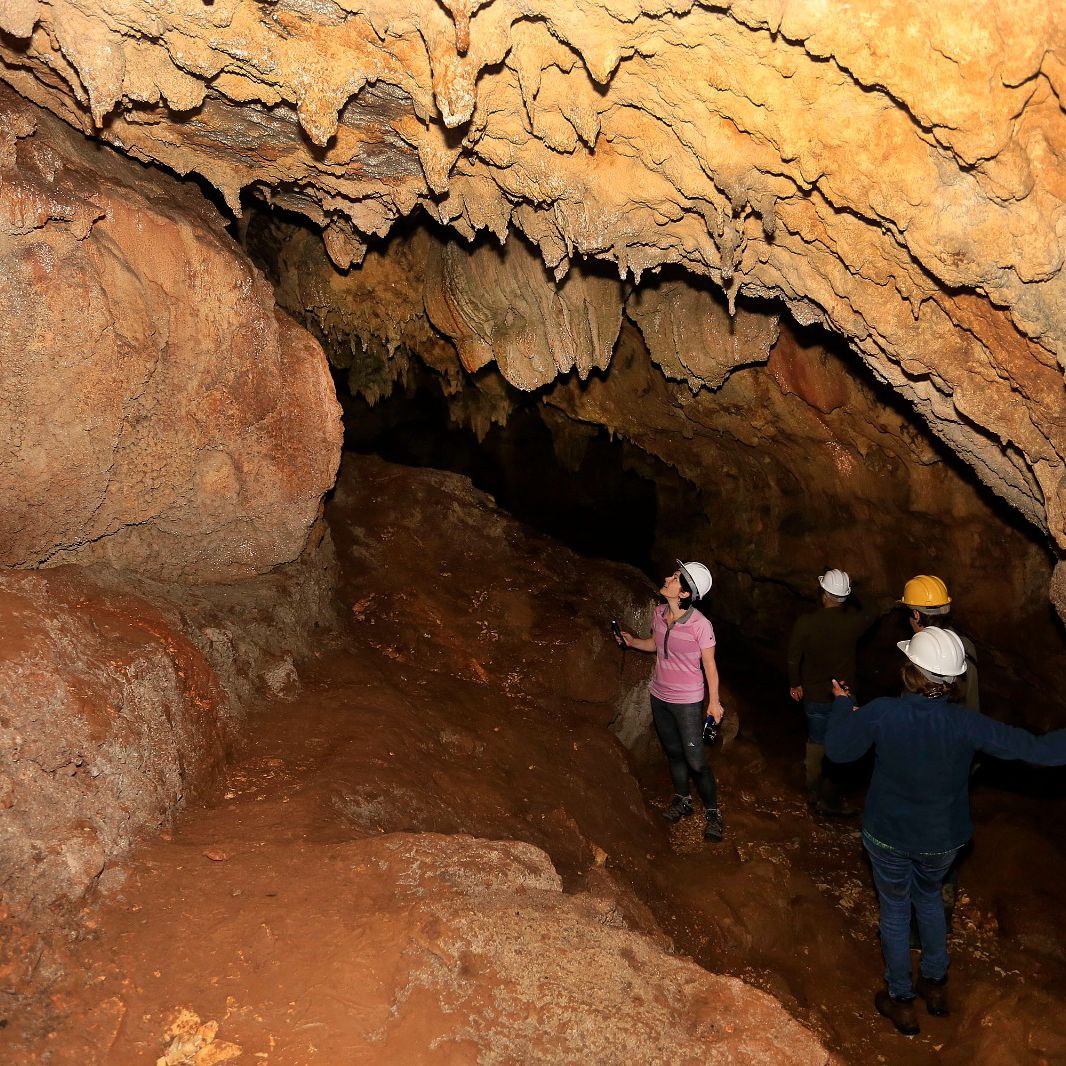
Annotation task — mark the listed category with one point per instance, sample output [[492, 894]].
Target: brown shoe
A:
[[935, 994], [900, 1012]]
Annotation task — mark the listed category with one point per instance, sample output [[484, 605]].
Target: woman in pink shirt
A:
[[683, 642]]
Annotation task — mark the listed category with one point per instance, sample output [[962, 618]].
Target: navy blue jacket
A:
[[919, 795]]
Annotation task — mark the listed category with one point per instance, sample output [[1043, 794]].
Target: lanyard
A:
[[669, 626]]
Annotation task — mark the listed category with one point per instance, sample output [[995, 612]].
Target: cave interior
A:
[[361, 363]]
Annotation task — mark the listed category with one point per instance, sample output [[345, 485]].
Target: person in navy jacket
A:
[[917, 814]]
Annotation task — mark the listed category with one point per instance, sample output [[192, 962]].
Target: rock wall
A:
[[119, 701], [157, 412], [800, 464], [111, 718], [894, 173]]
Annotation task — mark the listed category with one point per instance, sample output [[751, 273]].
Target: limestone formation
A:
[[694, 337], [635, 209], [894, 171], [157, 411]]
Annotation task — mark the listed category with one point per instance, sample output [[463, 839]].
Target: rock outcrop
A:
[[507, 965], [119, 700], [157, 411], [111, 717], [895, 173]]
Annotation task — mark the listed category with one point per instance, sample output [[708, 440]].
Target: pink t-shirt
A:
[[679, 677]]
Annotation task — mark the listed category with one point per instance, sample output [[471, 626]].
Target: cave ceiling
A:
[[893, 171]]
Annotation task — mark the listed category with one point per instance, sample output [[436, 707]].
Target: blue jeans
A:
[[817, 720], [903, 879]]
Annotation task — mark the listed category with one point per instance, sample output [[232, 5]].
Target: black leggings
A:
[[679, 727]]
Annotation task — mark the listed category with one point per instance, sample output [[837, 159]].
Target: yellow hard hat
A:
[[926, 593]]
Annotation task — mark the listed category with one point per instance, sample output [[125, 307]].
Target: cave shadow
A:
[[814, 335], [594, 503]]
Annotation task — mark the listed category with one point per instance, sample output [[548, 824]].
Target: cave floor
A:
[[253, 932], [233, 918]]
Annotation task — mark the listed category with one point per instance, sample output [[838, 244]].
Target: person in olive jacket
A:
[[821, 647], [917, 814]]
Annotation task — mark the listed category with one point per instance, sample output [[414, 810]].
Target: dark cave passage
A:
[[768, 516], [606, 498], [594, 504]]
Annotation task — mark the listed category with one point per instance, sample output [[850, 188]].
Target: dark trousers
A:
[[679, 727]]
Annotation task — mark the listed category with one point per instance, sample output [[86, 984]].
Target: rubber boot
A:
[[812, 768], [935, 994], [900, 1012], [830, 802]]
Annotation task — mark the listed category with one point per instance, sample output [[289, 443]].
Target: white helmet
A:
[[836, 583], [936, 652], [698, 578]]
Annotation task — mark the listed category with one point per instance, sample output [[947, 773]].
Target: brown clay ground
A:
[[267, 911]]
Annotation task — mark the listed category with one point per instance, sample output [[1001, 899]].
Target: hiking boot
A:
[[812, 766], [713, 830], [935, 994], [681, 807], [830, 803], [900, 1012]]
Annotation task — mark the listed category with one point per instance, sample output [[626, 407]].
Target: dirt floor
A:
[[792, 910], [470, 704]]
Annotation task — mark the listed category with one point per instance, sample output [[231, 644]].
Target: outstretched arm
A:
[[1010, 742]]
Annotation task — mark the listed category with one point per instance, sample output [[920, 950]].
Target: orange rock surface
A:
[[157, 410], [893, 171]]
